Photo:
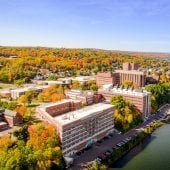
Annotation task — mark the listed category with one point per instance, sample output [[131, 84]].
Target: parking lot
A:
[[104, 147]]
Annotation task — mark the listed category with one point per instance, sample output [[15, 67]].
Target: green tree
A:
[[97, 166], [19, 82], [84, 86], [160, 95], [126, 115], [128, 83], [94, 87], [23, 99], [52, 77], [29, 95], [35, 147]]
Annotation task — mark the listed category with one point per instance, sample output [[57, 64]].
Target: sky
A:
[[132, 25]]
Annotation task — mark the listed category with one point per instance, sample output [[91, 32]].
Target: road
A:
[[92, 153]]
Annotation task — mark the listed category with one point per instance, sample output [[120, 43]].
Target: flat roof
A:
[[131, 72], [3, 123], [79, 92], [120, 91], [33, 87], [44, 106], [4, 91], [83, 113]]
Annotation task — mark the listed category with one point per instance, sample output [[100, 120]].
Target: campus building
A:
[[130, 66], [135, 76], [129, 72], [9, 118], [86, 97], [15, 93], [58, 108], [103, 78], [141, 99], [78, 127]]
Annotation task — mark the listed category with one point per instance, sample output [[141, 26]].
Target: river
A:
[[152, 154]]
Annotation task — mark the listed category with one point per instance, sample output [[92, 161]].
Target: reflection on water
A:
[[152, 154]]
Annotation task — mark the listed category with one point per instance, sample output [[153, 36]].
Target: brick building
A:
[[129, 72], [86, 97], [137, 77], [141, 99], [130, 66], [5, 93], [9, 118], [80, 128], [63, 106]]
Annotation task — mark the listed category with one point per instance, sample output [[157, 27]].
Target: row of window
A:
[[79, 137], [76, 141]]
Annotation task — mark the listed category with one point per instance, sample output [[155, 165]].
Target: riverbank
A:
[[152, 153], [123, 147], [167, 119], [135, 140]]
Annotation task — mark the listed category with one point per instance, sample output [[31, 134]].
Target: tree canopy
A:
[[32, 147], [160, 94], [65, 62], [126, 115]]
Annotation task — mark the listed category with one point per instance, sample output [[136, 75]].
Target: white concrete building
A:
[[80, 128]]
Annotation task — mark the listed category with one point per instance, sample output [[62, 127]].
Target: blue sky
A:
[[136, 25]]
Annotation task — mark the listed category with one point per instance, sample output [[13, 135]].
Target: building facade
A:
[[80, 128], [141, 99], [103, 78], [86, 97], [130, 66], [129, 72], [9, 118], [15, 93], [61, 107], [137, 77]]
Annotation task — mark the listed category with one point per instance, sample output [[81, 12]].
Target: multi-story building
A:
[[15, 93], [130, 66], [80, 79], [86, 97], [129, 72], [63, 106], [80, 128], [9, 118], [137, 77], [141, 99], [103, 78], [6, 93]]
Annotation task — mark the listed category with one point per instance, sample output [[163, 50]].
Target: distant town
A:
[[60, 105]]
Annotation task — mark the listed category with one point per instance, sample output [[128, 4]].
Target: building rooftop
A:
[[119, 90], [83, 113], [2, 123], [32, 87], [10, 113], [131, 72], [44, 106], [79, 92], [5, 91], [7, 112], [79, 78]]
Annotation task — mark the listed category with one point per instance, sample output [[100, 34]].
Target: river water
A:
[[152, 154]]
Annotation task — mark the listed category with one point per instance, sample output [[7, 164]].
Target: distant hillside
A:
[[146, 54], [18, 63], [8, 51]]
